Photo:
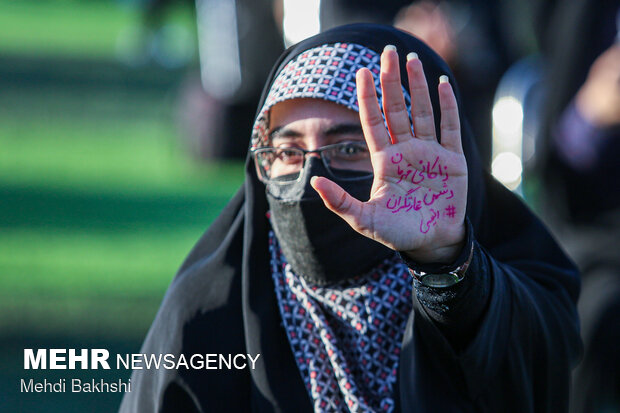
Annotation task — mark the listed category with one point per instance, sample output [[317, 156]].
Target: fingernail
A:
[[443, 79], [389, 47], [411, 56]]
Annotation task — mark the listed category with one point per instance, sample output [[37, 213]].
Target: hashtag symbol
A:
[[450, 211]]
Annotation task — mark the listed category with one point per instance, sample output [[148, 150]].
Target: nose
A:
[[315, 153], [311, 157], [314, 166]]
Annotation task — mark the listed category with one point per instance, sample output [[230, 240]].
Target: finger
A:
[[341, 203], [396, 114], [371, 119], [421, 107], [450, 123]]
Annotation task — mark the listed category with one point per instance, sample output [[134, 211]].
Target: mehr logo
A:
[[62, 359]]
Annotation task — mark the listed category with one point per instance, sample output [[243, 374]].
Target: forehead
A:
[[294, 111]]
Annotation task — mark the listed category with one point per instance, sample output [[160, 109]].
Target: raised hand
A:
[[419, 193]]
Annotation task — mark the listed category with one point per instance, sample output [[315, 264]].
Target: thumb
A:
[[340, 202]]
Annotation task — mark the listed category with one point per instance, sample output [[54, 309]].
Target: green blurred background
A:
[[100, 199]]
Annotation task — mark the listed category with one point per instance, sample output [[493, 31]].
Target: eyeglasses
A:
[[344, 160]]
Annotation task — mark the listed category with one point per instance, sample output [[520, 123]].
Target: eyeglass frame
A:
[[318, 151]]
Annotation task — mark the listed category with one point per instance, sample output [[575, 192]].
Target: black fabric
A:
[[518, 358]]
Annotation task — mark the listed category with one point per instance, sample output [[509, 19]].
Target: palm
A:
[[416, 198], [419, 193]]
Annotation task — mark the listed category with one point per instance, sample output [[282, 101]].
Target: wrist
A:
[[446, 253], [437, 274]]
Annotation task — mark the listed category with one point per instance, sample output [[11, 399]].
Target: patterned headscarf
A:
[[346, 338]]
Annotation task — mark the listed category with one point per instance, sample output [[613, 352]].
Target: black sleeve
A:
[[200, 314], [517, 354], [457, 309], [185, 326]]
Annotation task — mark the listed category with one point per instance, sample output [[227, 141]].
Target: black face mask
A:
[[319, 245]]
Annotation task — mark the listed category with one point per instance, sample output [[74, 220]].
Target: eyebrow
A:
[[281, 132]]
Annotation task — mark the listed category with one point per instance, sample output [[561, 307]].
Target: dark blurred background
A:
[[100, 199]]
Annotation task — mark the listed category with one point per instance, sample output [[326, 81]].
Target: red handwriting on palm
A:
[[419, 193]]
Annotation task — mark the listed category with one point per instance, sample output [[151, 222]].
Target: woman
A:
[[578, 164], [475, 313]]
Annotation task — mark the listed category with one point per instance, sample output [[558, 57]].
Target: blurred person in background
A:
[[582, 173], [371, 269], [479, 40], [238, 41]]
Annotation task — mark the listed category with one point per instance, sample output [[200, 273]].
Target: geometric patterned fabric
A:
[[346, 338], [325, 72]]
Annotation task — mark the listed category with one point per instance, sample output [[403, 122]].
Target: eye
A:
[[289, 155], [351, 150]]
